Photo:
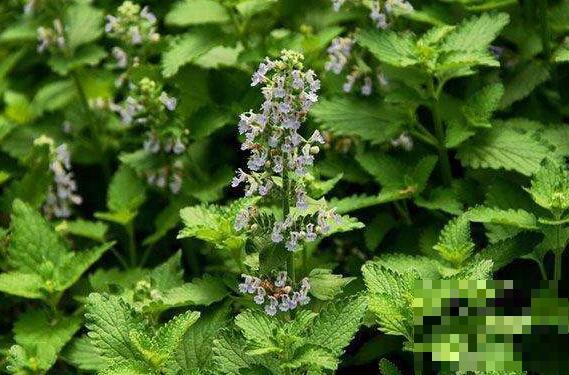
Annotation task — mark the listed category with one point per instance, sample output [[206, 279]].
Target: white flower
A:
[[168, 101]]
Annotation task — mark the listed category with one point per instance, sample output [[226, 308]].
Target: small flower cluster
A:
[[51, 37], [167, 175], [30, 6], [275, 294], [404, 141], [63, 193], [339, 53], [277, 148], [132, 25], [146, 103], [148, 106]]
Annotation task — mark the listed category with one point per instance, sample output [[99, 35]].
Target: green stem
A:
[[286, 210], [558, 262], [402, 209], [130, 244], [542, 269], [444, 162], [541, 15]]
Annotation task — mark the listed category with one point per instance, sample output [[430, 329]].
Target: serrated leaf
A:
[[550, 186], [229, 353], [479, 108], [324, 285], [390, 48], [257, 327], [45, 334], [476, 33], [203, 291], [388, 368], [94, 230], [109, 320], [169, 335], [185, 50], [524, 82], [503, 148], [33, 241], [337, 323], [27, 285], [83, 24], [194, 12], [375, 123], [126, 191], [83, 355], [516, 218], [196, 351], [455, 244]]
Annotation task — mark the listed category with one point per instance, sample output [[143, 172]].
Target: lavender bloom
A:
[[380, 19], [338, 54], [120, 55], [280, 281], [284, 299], [148, 15], [62, 194], [404, 141], [168, 101], [367, 86], [337, 4]]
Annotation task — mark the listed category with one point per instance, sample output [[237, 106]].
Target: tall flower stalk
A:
[[276, 169]]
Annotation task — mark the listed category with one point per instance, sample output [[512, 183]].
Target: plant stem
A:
[[541, 15], [444, 162], [558, 264], [286, 210], [542, 269], [130, 244], [402, 209]]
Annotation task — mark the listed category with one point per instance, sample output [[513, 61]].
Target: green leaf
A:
[[550, 186], [83, 24], [77, 264], [455, 244], [258, 329], [561, 55], [388, 368], [476, 33], [316, 358], [204, 291], [375, 123], [324, 285], [214, 224], [479, 108], [27, 285], [337, 323], [194, 12], [376, 230], [404, 264], [441, 199], [54, 96], [33, 242], [524, 82], [196, 351], [229, 353], [169, 336], [125, 195], [109, 320], [94, 230], [86, 55], [390, 48], [503, 148], [504, 252], [83, 355], [516, 218], [43, 334], [184, 50]]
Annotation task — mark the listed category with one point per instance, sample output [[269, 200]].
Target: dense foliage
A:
[[256, 186]]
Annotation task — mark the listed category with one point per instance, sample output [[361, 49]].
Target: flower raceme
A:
[[275, 294], [279, 154]]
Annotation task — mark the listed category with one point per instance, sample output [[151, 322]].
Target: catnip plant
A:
[[277, 166]]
